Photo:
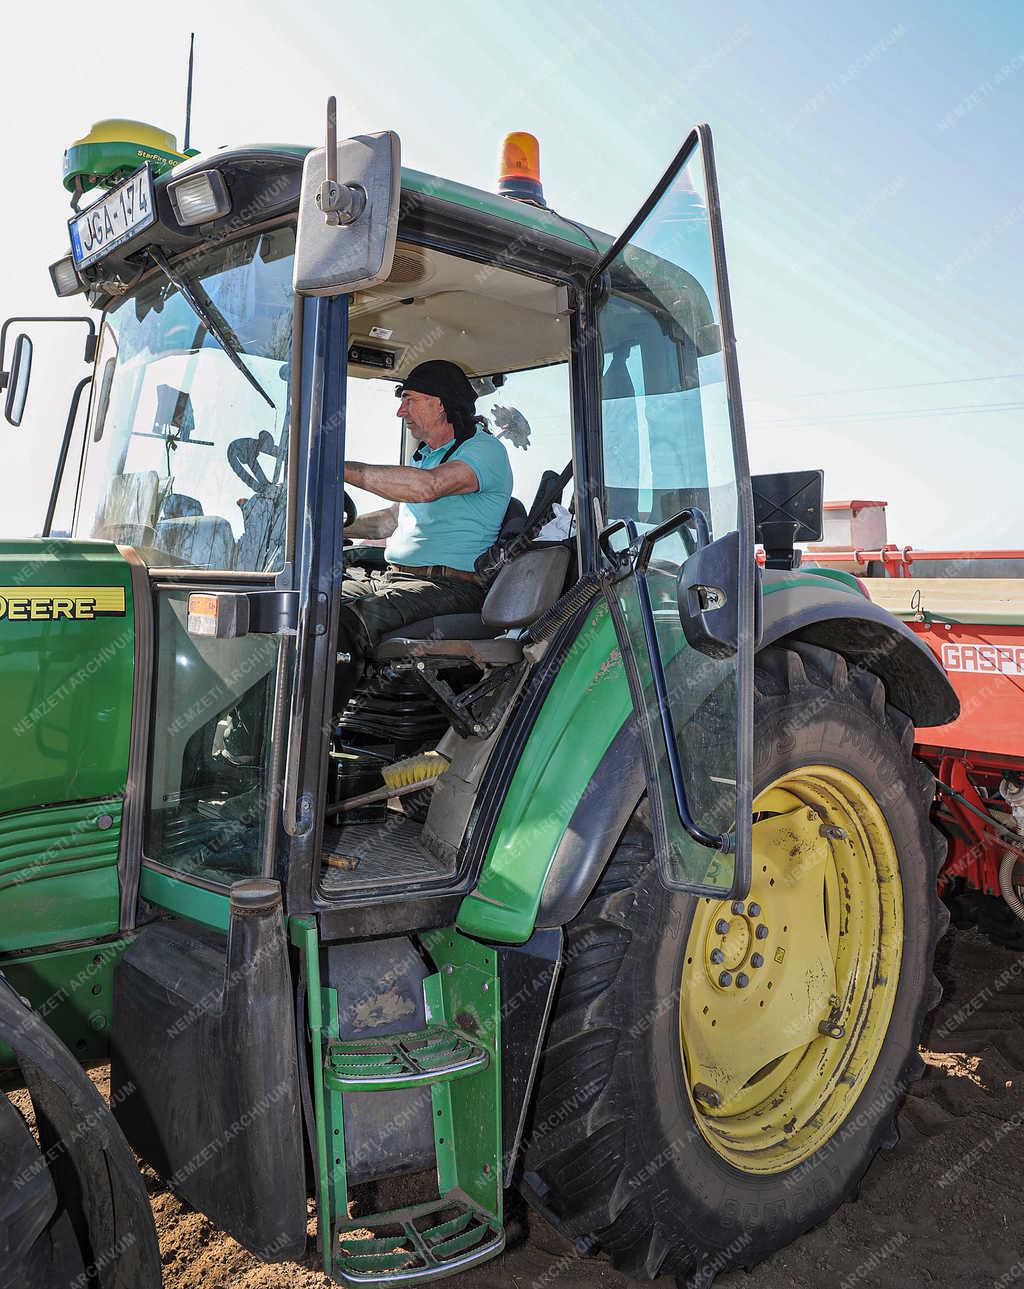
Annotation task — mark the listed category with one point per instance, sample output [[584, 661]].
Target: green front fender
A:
[[585, 709]]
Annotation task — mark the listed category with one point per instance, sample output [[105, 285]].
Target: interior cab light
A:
[[519, 176], [197, 199]]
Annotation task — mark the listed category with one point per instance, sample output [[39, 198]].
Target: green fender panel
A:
[[586, 706], [67, 663], [58, 874]]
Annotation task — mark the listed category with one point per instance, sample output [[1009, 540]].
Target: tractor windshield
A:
[[185, 457]]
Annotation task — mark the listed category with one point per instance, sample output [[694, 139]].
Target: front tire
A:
[[688, 1125]]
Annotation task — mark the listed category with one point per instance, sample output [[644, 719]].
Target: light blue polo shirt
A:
[[455, 530]]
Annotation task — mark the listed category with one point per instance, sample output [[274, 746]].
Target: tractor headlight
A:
[[64, 278], [197, 199]]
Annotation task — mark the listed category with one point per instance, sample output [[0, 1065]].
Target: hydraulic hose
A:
[[1006, 884]]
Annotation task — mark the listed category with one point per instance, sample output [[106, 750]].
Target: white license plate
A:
[[123, 212]]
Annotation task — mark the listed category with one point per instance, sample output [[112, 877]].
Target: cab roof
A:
[[265, 181], [423, 186]]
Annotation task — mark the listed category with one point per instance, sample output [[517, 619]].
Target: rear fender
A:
[[834, 614]]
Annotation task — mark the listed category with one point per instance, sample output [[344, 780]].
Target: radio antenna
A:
[[188, 91]]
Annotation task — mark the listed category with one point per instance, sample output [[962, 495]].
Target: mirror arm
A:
[[62, 457], [90, 338]]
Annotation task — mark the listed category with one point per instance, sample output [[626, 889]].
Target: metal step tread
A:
[[431, 1055], [438, 1238]]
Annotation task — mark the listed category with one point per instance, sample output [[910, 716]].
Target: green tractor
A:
[[621, 892]]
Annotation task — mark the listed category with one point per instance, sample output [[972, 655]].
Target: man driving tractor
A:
[[449, 506]]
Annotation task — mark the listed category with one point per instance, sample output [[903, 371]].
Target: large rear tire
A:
[[74, 1209], [690, 1114]]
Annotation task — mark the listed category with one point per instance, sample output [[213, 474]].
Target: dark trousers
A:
[[384, 601]]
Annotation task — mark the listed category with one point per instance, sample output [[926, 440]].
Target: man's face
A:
[[424, 413]]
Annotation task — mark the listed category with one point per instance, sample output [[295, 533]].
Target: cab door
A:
[[668, 464]]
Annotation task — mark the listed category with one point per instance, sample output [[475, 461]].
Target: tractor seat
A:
[[523, 589], [499, 652], [445, 626]]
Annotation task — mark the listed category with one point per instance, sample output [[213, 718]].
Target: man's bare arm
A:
[[375, 523], [406, 483]]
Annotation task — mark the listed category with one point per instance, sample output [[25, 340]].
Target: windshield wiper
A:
[[205, 312]]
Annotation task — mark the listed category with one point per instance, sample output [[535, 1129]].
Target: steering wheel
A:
[[350, 509], [243, 457]]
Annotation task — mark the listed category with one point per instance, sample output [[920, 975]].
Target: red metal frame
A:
[[975, 849], [897, 560], [985, 663]]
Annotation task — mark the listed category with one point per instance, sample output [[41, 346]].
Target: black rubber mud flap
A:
[[203, 1053], [77, 1212]]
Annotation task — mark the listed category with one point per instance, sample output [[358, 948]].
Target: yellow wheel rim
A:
[[786, 997]]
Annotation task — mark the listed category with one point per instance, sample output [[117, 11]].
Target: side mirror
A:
[[16, 380], [348, 213], [787, 510]]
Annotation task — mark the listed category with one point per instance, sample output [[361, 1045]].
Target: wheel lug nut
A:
[[737, 906], [756, 960], [742, 980], [762, 931], [722, 926], [754, 910], [725, 979], [710, 1096], [717, 956]]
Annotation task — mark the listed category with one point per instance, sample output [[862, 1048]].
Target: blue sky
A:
[[868, 158]]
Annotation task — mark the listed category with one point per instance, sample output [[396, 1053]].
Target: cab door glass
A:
[[668, 444]]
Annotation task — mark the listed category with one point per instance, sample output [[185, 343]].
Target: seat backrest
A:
[[510, 532], [515, 518], [176, 505], [133, 499], [525, 587], [549, 490]]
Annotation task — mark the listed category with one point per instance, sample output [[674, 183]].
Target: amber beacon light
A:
[[519, 176]]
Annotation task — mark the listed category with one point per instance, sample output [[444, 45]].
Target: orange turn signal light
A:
[[222, 616]]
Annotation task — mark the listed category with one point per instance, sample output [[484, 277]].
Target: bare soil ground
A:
[[945, 1207]]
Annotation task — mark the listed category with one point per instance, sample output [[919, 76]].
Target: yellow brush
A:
[[414, 769]]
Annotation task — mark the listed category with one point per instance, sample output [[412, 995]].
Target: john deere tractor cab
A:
[[620, 891]]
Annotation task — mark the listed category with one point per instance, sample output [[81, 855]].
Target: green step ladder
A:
[[458, 1056], [430, 1055]]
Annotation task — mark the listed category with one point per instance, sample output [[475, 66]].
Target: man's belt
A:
[[432, 571]]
